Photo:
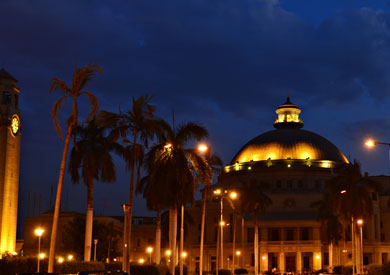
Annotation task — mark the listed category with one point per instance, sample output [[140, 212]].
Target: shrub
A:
[[224, 272], [374, 269], [144, 270], [177, 270], [337, 269], [346, 270], [240, 271], [163, 269]]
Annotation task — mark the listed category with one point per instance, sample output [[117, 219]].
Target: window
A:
[[274, 234], [289, 184], [6, 97], [278, 184], [250, 234], [289, 234], [305, 234], [300, 184]]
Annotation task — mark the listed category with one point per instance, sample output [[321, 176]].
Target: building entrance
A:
[[290, 263], [273, 261]]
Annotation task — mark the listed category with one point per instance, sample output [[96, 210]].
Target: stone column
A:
[[299, 261], [282, 262]]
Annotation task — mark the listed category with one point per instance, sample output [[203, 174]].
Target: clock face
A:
[[15, 125]]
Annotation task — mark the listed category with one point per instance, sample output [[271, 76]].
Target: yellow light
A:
[[263, 257], [325, 164], [217, 191], [222, 223], [42, 255], [370, 143], [168, 252], [39, 231], [14, 253], [237, 166], [141, 261], [203, 148], [318, 257], [168, 145], [70, 257], [184, 254], [60, 260], [288, 165], [115, 259], [360, 222], [238, 252], [249, 168], [233, 195], [149, 249], [343, 191]]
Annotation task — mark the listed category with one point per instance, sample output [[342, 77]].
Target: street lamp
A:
[[95, 241], [38, 232], [360, 223], [371, 143], [149, 249], [221, 194], [70, 257]]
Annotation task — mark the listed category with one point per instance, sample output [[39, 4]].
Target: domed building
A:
[[294, 165]]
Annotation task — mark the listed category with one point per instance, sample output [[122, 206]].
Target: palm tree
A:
[[330, 222], [351, 196], [81, 77], [254, 202], [137, 123], [91, 156], [216, 163], [172, 167]]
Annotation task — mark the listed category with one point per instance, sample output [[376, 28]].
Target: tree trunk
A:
[[88, 224], [234, 243], [130, 212], [58, 202], [202, 229], [256, 245], [181, 258], [158, 237], [243, 242], [173, 236]]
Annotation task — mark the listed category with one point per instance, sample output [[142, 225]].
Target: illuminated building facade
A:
[[9, 160], [295, 164]]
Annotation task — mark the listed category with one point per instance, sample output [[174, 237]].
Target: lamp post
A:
[[125, 257], [204, 149], [238, 253], [360, 223], [95, 241], [221, 194], [149, 249], [38, 232], [371, 143]]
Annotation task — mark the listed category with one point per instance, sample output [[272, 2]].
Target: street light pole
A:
[[360, 224], [221, 239], [39, 232], [95, 241]]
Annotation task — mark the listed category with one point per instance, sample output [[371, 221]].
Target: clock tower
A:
[[9, 160]]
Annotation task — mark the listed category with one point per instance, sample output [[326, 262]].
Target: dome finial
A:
[[288, 115]]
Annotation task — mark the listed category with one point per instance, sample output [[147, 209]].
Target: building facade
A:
[[9, 160], [295, 164]]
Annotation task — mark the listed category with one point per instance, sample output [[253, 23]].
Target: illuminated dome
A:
[[288, 141]]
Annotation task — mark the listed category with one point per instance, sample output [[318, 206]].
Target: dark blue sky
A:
[[226, 64]]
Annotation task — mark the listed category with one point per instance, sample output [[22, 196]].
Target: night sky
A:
[[225, 64]]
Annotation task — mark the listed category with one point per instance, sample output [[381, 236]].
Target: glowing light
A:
[[370, 143], [222, 223], [325, 164], [14, 253], [168, 145], [360, 222], [238, 252], [345, 250], [305, 155], [168, 252], [270, 156], [249, 168], [141, 261], [233, 195], [115, 259], [39, 231], [237, 166], [149, 249], [217, 191], [60, 260], [288, 165], [70, 257], [42, 255], [318, 257], [263, 257], [203, 148], [343, 191], [184, 254]]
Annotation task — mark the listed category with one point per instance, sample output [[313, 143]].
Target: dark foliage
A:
[[240, 271]]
